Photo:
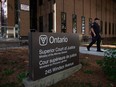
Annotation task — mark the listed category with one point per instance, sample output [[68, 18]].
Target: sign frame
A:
[[50, 53]]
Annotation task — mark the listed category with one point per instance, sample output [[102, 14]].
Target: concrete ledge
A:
[[4, 44], [52, 79]]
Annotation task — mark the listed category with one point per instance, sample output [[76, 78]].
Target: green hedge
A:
[[108, 64]]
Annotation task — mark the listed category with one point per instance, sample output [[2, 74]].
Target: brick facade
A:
[[105, 10], [49, 16]]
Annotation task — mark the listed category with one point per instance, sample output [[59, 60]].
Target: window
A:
[[90, 23], [113, 29], [101, 26], [109, 28], [74, 23], [105, 28], [50, 22], [63, 22], [16, 11], [83, 25]]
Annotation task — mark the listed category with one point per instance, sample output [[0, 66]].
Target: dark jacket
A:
[[96, 29]]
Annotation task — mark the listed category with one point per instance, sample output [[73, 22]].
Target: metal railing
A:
[[7, 31]]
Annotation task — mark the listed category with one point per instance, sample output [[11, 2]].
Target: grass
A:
[[12, 84], [7, 72], [16, 68], [88, 72]]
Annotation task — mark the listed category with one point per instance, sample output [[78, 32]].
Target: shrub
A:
[[114, 43], [108, 64], [21, 76]]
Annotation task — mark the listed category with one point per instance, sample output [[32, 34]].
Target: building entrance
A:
[[5, 30]]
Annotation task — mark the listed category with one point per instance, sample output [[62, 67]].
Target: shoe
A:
[[100, 51], [88, 48]]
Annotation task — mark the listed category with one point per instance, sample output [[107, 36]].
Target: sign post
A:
[[52, 53]]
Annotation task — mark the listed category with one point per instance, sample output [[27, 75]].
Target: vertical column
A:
[[17, 18], [54, 18], [0, 17], [33, 15], [115, 18]]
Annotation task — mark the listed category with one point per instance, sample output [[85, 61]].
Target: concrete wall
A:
[[0, 14], [52, 79]]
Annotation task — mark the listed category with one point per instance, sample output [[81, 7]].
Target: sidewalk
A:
[[91, 52], [83, 49], [15, 43]]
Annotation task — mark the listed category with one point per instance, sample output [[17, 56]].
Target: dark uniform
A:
[[97, 38]]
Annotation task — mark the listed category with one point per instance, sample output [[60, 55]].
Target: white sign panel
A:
[[24, 7]]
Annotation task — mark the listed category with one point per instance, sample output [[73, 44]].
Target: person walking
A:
[[95, 33]]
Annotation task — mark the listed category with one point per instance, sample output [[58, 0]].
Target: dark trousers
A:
[[94, 39]]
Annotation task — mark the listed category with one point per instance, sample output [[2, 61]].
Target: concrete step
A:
[[10, 42]]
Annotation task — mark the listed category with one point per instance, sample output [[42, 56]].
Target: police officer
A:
[[95, 33]]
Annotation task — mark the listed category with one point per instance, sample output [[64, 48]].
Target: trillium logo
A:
[[43, 40]]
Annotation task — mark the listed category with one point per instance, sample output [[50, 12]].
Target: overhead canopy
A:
[[114, 1]]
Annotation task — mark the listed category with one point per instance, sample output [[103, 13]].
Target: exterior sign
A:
[[24, 7], [51, 53]]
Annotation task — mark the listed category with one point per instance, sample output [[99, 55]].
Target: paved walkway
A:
[[91, 52], [82, 49]]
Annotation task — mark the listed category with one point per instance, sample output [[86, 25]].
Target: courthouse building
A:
[[62, 16]]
